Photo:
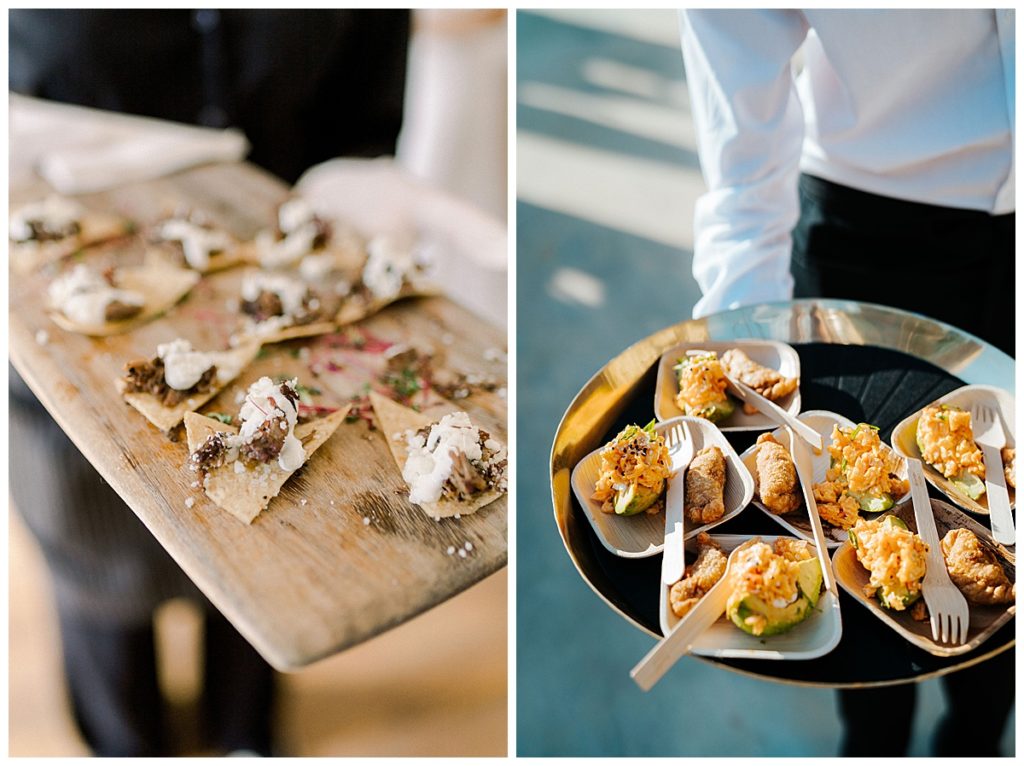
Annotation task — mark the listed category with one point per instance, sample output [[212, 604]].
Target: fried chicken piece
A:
[[699, 577], [705, 486], [776, 476], [1009, 456], [771, 384], [919, 611], [974, 569]]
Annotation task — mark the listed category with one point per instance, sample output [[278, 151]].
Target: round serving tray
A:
[[863, 361]]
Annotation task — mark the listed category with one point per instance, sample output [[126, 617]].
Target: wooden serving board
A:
[[340, 555]]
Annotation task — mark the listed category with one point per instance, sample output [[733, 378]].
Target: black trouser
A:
[[116, 700], [109, 576], [953, 265], [956, 266], [877, 722]]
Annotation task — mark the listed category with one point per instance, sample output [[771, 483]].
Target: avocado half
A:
[[966, 482], [873, 503], [889, 597], [637, 499], [969, 484], [779, 619], [713, 412]]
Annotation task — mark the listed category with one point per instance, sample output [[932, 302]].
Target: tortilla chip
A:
[[286, 333], [161, 286], [95, 228], [219, 262], [346, 245], [165, 418], [237, 255], [356, 307], [396, 419], [245, 495]]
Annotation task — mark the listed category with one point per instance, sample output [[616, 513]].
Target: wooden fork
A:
[[950, 617], [989, 436], [680, 449]]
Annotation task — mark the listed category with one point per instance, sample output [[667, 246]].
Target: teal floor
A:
[[586, 291]]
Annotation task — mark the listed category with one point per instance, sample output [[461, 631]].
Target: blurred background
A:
[[607, 179], [436, 685]]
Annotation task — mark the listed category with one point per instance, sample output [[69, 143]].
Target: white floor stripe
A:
[[643, 197]]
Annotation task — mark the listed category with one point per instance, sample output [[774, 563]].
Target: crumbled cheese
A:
[[469, 546], [82, 295], [293, 214], [366, 521], [54, 212], [303, 501], [189, 502], [197, 243], [42, 337], [388, 265], [502, 393], [183, 367], [462, 553], [430, 462], [263, 402], [451, 550], [291, 291], [271, 325], [316, 267], [296, 222]]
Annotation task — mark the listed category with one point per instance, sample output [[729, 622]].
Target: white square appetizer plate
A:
[[798, 522], [770, 353], [816, 636], [985, 620], [643, 535], [904, 439]]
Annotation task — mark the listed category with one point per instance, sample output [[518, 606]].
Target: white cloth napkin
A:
[[467, 247], [79, 150]]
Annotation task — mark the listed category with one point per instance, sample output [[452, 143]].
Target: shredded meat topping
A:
[[290, 394], [466, 479], [323, 233], [267, 443], [116, 311], [268, 304], [209, 455], [44, 232], [147, 376]]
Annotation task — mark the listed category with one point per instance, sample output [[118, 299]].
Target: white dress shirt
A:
[[916, 105]]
